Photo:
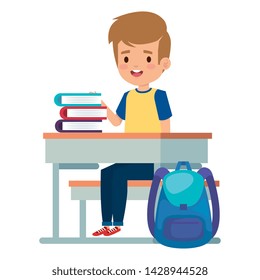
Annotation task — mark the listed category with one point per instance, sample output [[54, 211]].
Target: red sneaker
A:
[[112, 231], [103, 230]]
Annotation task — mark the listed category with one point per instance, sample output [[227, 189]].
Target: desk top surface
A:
[[105, 135]]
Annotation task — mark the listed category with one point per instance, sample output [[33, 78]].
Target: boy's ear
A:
[[165, 63]]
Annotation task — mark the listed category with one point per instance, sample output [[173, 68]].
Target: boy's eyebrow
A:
[[127, 51], [145, 51]]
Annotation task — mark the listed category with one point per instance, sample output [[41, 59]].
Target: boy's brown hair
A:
[[140, 28]]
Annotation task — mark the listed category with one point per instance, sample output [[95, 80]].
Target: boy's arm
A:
[[165, 126], [112, 117], [164, 110]]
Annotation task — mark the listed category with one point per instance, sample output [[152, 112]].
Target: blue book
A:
[[78, 99]]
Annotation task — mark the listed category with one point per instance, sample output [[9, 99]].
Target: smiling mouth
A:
[[136, 73]]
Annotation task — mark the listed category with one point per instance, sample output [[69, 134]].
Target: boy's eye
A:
[[148, 59], [126, 59]]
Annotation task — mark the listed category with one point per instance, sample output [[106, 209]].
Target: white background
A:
[[61, 46]]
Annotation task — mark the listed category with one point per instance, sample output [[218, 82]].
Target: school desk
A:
[[86, 150]]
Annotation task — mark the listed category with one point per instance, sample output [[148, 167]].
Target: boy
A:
[[141, 47]]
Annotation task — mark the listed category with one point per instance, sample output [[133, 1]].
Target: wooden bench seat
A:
[[131, 183], [90, 190]]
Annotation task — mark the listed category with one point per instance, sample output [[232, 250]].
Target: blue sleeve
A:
[[122, 107], [162, 104]]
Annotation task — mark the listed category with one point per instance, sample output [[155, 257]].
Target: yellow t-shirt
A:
[[141, 112]]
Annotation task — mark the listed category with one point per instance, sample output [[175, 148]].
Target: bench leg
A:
[[82, 218]]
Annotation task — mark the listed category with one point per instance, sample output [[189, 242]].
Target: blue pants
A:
[[114, 188]]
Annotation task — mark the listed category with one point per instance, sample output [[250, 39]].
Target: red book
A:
[[84, 113]]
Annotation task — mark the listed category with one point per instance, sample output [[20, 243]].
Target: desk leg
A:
[[55, 200]]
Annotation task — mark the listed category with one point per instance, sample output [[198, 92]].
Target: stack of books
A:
[[80, 112]]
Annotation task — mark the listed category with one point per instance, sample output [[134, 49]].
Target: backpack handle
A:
[[208, 176], [181, 163], [158, 176]]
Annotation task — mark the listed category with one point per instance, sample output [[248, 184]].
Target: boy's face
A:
[[138, 64]]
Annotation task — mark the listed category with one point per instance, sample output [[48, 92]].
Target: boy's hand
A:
[[112, 117]]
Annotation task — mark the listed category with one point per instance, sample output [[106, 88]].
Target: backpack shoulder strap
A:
[[158, 176], [208, 176]]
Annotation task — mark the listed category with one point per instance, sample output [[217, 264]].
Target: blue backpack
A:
[[181, 217]]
